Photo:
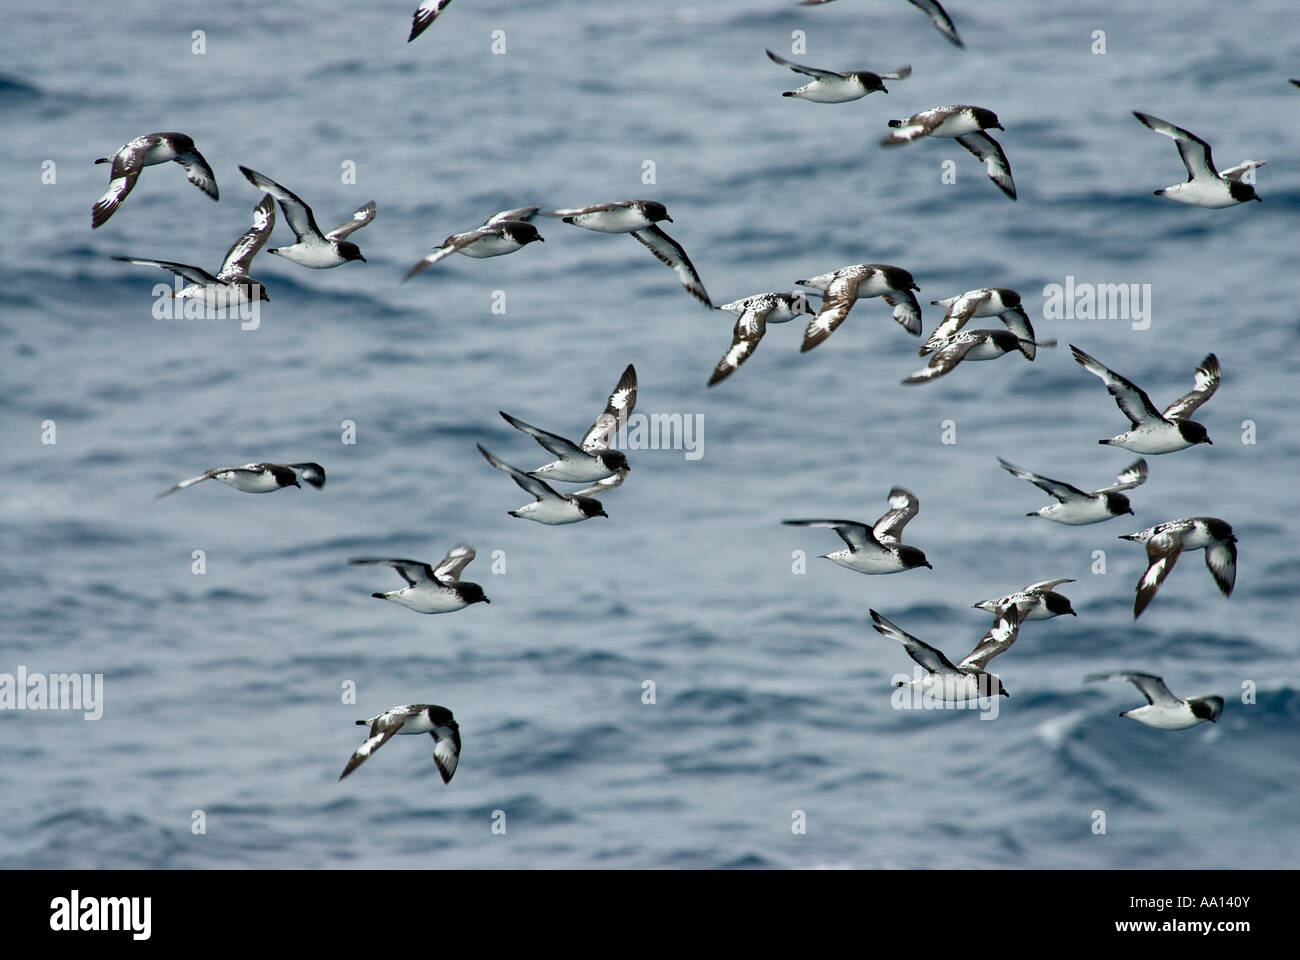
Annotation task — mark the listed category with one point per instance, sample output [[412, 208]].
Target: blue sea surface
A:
[[226, 693]]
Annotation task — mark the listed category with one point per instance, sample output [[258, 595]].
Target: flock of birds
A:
[[873, 549]]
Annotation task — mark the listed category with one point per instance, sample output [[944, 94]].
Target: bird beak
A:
[[669, 219], [541, 239], [931, 566], [362, 259], [1002, 128], [486, 600], [1209, 441]]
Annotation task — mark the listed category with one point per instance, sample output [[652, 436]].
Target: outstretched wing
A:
[[603, 486], [927, 656], [1063, 492], [906, 310], [745, 336], [239, 258], [1000, 637], [521, 214], [1045, 585], [903, 506], [1162, 554], [950, 354], [313, 473], [1152, 687], [192, 274], [412, 571], [1134, 475], [540, 489], [360, 218], [118, 188], [995, 161], [296, 213], [424, 15], [857, 536], [376, 740], [1194, 151], [446, 748], [840, 296], [799, 68], [600, 435], [1131, 399], [552, 442], [1241, 169], [454, 563], [939, 16], [670, 252], [1221, 559], [1208, 375]]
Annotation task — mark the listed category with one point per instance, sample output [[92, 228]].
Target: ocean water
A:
[[223, 697]]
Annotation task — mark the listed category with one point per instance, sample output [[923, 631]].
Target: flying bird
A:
[[967, 680], [413, 718], [827, 86], [257, 477], [146, 151], [875, 549], [548, 506], [1164, 543], [640, 218], [1163, 710], [594, 458], [974, 345], [314, 249], [232, 285], [842, 288], [1076, 507], [501, 233], [753, 315], [997, 302], [966, 125], [431, 589], [1153, 431], [1205, 186], [1038, 601]]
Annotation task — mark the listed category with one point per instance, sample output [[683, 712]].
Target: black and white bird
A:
[[548, 506], [842, 288], [413, 718], [595, 457], [1163, 710], [232, 285], [146, 151], [966, 125], [974, 345], [257, 477], [1076, 507], [875, 549], [424, 16], [1205, 186], [753, 315], [501, 233], [967, 680], [1164, 543], [931, 8], [1153, 431], [639, 218], [431, 589], [1038, 601], [827, 86], [985, 302], [313, 248]]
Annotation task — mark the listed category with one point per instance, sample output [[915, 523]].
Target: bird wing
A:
[[942, 22], [950, 354], [1063, 492], [1000, 636], [296, 213], [192, 274], [1208, 375], [540, 489], [1134, 475], [903, 506], [239, 258], [600, 435], [1162, 554], [806, 71], [118, 188], [745, 337], [857, 536], [670, 252], [454, 563], [927, 656], [313, 473], [199, 173], [840, 296], [376, 740], [360, 217], [1152, 687], [552, 442], [995, 160], [603, 486], [1221, 560], [424, 15], [1194, 151], [1131, 399], [412, 571]]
